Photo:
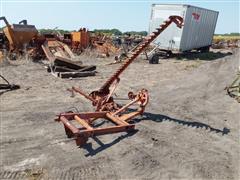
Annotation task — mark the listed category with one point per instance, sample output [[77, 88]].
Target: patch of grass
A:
[[34, 174], [220, 38], [192, 66]]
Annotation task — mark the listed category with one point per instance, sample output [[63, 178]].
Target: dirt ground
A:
[[190, 129]]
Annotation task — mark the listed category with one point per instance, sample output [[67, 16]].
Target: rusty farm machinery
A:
[[18, 37], [103, 101]]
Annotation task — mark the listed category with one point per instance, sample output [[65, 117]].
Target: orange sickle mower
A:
[[103, 101]]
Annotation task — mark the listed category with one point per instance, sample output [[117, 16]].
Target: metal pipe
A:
[[83, 122]]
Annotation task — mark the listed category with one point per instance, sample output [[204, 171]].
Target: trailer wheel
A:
[[154, 59]]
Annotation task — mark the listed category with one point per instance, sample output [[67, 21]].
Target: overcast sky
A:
[[121, 14]]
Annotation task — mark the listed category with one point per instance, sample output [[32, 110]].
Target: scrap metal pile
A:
[[103, 45], [104, 103], [61, 63], [20, 40]]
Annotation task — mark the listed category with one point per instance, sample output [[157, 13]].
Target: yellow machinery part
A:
[[18, 35]]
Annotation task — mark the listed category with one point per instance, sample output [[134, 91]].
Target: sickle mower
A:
[[103, 101]]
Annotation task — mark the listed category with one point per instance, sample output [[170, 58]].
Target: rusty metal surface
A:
[[86, 130]]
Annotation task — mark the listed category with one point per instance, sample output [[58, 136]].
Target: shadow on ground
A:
[[102, 146], [208, 56], [6, 90], [153, 117], [195, 124]]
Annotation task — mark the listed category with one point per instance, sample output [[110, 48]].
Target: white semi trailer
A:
[[196, 34]]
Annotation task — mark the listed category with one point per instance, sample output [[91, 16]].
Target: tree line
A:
[[229, 34], [115, 32]]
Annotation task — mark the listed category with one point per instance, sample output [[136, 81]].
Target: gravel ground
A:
[[190, 129]]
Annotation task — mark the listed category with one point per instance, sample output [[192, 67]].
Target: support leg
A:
[[81, 140], [68, 132]]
